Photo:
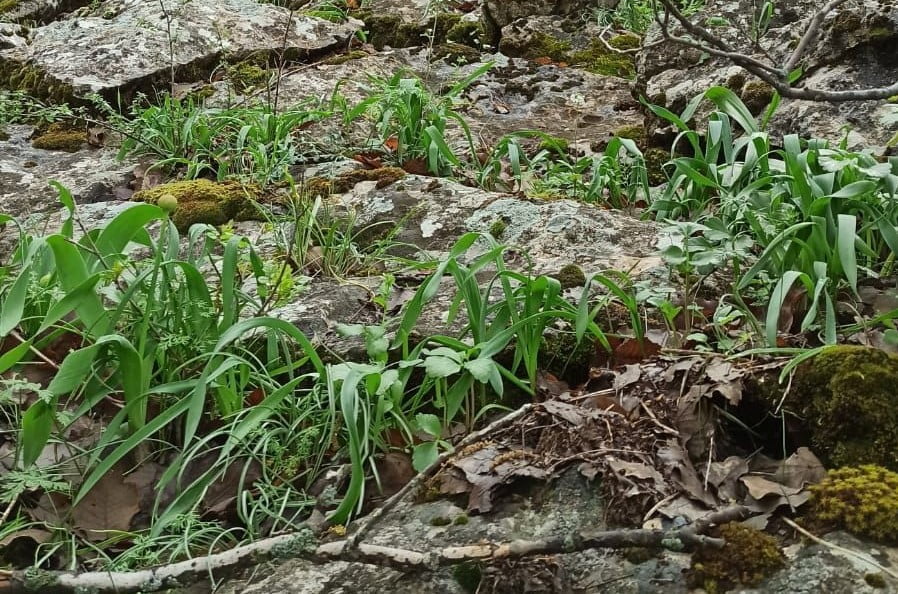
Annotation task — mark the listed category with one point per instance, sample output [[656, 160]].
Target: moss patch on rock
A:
[[626, 41], [847, 396], [655, 159], [4, 135], [15, 76], [599, 60], [60, 136], [322, 186], [246, 76], [8, 5], [347, 57], [756, 95], [391, 30], [456, 53], [468, 33], [746, 559], [862, 500], [539, 45], [570, 276], [203, 201]]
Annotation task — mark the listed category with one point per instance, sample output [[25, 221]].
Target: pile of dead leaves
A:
[[652, 434]]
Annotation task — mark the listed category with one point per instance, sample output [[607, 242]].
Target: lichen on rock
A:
[[204, 201]]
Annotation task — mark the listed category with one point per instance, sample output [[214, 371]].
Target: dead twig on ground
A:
[[302, 545]]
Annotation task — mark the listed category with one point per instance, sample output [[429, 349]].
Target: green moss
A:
[[561, 354], [461, 520], [571, 276], [469, 33], [879, 33], [655, 160], [468, 575], [598, 60], [390, 29], [60, 136], [497, 228], [540, 45], [33, 81], [892, 99], [756, 95], [875, 580], [4, 135], [747, 558], [202, 93], [863, 500], [440, 521], [384, 176], [347, 57], [8, 5], [634, 133], [625, 42], [456, 53], [246, 76], [847, 396], [204, 201]]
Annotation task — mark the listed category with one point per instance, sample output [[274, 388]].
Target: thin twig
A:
[[835, 547]]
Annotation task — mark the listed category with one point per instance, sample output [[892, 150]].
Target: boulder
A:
[[123, 46], [857, 48]]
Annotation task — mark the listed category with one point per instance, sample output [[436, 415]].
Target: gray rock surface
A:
[[25, 172], [856, 49], [434, 213], [125, 43], [40, 10]]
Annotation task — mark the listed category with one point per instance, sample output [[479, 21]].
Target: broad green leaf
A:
[[429, 424], [424, 455]]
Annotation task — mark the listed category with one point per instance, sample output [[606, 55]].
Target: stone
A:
[[37, 10], [124, 45], [857, 49]]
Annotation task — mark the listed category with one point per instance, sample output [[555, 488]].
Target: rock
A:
[[11, 36], [570, 503], [128, 46], [404, 23], [37, 10], [90, 174], [434, 213], [499, 13], [857, 49]]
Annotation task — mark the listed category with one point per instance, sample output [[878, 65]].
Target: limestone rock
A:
[[128, 46]]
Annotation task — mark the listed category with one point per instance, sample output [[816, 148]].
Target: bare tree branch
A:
[[776, 75], [302, 545]]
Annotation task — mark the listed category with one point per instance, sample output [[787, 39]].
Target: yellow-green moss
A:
[[59, 136], [863, 500], [202, 93], [466, 32], [746, 559], [204, 201], [756, 95], [33, 81], [391, 30], [321, 186], [599, 60], [571, 276], [245, 76], [4, 135], [634, 133], [539, 45], [875, 580], [456, 53], [847, 396], [497, 228], [655, 159], [8, 5], [625, 41], [347, 57]]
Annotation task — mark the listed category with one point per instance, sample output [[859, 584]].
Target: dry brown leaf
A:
[[109, 506]]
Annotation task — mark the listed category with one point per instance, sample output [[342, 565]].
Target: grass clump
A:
[[848, 398], [746, 559], [863, 500], [202, 201]]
